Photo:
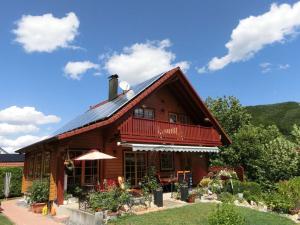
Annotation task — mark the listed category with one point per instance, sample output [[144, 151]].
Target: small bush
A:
[[112, 199], [285, 197], [15, 183], [226, 197], [226, 215], [204, 182], [39, 192], [251, 191], [279, 202], [234, 187]]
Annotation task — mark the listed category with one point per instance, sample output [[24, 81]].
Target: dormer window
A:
[[144, 113]]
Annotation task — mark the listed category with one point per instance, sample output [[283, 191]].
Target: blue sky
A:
[[34, 73]]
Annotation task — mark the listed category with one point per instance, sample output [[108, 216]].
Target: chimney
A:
[[113, 87]]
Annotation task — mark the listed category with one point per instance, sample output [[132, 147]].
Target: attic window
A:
[[144, 113]]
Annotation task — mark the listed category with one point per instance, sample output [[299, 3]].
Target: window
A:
[[90, 176], [38, 165], [139, 113], [135, 166], [46, 166], [179, 118], [184, 119], [144, 113], [30, 166], [149, 114], [75, 177], [166, 161], [172, 118]]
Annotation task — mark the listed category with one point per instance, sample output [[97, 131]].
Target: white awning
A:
[[170, 148]]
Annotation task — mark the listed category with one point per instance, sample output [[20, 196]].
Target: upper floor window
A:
[[179, 118], [172, 117], [184, 119], [144, 113]]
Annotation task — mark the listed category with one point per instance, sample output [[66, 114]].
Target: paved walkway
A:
[[20, 215]]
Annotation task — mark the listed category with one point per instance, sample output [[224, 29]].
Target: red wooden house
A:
[[160, 122]]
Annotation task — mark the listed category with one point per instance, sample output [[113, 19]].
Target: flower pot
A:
[[184, 193], [158, 197], [37, 207], [191, 198], [240, 195], [294, 211], [223, 177]]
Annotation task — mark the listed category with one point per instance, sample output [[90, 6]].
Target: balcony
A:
[[152, 131]]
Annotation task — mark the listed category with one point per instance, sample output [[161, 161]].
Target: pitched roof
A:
[[11, 158], [2, 151], [107, 108], [109, 111]]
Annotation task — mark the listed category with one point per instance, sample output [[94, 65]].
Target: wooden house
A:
[[160, 122]]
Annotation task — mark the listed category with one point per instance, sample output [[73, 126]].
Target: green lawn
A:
[[4, 220], [197, 214]]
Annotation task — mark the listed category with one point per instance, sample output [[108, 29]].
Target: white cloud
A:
[[46, 33], [265, 64], [6, 128], [11, 145], [255, 32], [201, 70], [265, 67], [283, 66], [26, 115], [17, 124], [74, 70], [142, 61]]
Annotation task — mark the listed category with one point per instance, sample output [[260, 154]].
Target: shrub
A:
[[226, 215], [204, 182], [15, 183], [252, 191], [39, 192], [234, 187], [75, 190], [226, 197], [286, 196], [112, 199], [279, 203], [216, 186]]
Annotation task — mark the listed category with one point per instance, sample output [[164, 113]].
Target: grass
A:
[[198, 214], [4, 220]]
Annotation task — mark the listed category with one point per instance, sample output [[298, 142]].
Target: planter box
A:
[[184, 193], [191, 198], [158, 198], [37, 207]]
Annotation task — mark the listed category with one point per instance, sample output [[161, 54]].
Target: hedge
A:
[[15, 182]]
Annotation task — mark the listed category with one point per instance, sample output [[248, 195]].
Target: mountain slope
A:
[[284, 115]]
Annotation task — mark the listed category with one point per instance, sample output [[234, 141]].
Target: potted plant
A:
[[184, 191], [191, 197], [150, 186], [39, 195], [69, 166], [158, 196]]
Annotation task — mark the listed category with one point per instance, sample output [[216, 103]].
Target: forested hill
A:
[[284, 115]]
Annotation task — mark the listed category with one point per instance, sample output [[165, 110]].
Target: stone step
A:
[[61, 218]]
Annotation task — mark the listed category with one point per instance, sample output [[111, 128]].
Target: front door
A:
[[135, 166]]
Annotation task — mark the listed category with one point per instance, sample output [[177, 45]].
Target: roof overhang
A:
[[169, 148]]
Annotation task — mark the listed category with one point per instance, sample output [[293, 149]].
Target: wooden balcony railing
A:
[[152, 131]]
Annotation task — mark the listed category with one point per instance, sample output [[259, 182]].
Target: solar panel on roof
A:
[[107, 109]]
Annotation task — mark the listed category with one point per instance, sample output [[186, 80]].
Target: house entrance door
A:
[[135, 166]]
